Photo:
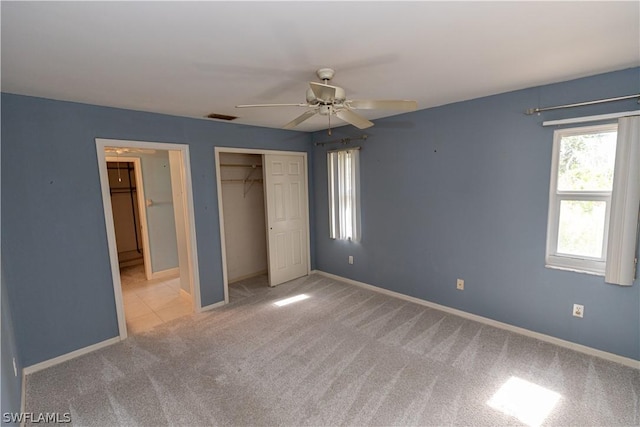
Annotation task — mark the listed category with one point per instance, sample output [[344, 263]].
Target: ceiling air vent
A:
[[221, 117]]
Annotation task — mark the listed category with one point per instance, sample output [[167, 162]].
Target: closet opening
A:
[[263, 209], [123, 189], [245, 235]]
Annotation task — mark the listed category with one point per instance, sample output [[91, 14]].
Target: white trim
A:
[[522, 331], [165, 273], [185, 293], [213, 306], [111, 239], [23, 394], [101, 144], [258, 151], [586, 119], [194, 286], [72, 355], [223, 249], [142, 209], [573, 270]]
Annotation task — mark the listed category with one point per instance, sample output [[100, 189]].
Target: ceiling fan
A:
[[328, 100]]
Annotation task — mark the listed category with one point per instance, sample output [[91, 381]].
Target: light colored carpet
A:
[[344, 356]]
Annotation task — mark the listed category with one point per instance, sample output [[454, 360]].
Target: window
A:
[[344, 215], [580, 197]]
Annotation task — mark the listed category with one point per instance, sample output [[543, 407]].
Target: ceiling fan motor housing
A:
[[325, 110]]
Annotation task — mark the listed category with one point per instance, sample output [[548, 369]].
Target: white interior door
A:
[[286, 206]]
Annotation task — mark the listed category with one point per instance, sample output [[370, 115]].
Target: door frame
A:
[[142, 208], [187, 190], [223, 248]]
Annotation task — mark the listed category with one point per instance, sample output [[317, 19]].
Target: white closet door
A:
[[287, 217]]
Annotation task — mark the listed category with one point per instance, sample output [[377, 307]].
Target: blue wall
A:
[[461, 191], [54, 243]]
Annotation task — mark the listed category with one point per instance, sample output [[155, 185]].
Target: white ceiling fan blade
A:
[[323, 92], [353, 118], [271, 105], [295, 122], [380, 104]]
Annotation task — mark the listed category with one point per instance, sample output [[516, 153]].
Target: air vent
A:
[[221, 117]]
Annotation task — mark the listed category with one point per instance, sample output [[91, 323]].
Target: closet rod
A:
[[122, 190], [121, 167], [239, 180], [344, 140], [591, 118], [531, 111], [230, 165]]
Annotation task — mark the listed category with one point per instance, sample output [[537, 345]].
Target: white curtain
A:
[[344, 192], [625, 203]]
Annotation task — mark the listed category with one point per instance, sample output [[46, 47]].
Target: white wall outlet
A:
[[460, 285], [350, 259], [578, 310]]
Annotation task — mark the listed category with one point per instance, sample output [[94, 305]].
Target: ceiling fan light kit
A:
[[328, 100]]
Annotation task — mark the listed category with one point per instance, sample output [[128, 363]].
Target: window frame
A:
[[554, 258]]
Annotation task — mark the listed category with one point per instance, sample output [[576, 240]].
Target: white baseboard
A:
[[23, 393], [212, 306], [542, 337], [63, 358], [171, 272]]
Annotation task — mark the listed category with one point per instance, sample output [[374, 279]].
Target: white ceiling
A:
[[194, 58]]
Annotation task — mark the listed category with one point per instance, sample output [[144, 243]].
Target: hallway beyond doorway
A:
[[149, 303]]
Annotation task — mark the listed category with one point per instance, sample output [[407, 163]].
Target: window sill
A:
[[574, 270]]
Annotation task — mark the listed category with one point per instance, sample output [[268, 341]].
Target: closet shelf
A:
[[248, 179], [240, 180], [122, 190], [233, 165]]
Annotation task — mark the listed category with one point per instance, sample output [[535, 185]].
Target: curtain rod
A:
[[591, 118], [343, 140], [531, 111]]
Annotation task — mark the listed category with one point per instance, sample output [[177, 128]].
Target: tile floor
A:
[[149, 303]]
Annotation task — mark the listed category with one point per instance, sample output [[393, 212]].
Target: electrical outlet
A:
[[460, 284], [578, 310], [350, 259]]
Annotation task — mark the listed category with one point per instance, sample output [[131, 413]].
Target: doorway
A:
[[170, 271], [263, 212], [244, 215]]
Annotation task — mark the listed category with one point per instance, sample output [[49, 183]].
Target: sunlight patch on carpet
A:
[[291, 300], [526, 401]]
